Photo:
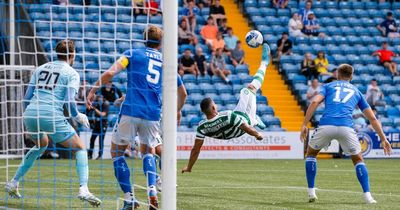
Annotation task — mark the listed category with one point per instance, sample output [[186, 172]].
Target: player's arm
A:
[[107, 76], [28, 95], [182, 94], [194, 155], [251, 131], [310, 112], [369, 114], [73, 109]]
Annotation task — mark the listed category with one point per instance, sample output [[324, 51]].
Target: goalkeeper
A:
[[231, 124], [51, 86]]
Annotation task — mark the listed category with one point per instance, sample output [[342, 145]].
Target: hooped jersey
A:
[[341, 98], [225, 126]]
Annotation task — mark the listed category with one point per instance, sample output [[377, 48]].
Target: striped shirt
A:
[[310, 23], [226, 125]]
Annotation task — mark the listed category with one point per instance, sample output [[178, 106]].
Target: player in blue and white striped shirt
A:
[[340, 98]]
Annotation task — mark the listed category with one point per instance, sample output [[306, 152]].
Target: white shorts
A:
[[127, 128], [346, 137], [248, 104]]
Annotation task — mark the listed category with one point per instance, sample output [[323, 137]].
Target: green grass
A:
[[218, 184]]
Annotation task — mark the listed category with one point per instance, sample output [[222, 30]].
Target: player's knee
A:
[[357, 159]]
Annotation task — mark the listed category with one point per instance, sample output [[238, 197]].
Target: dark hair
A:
[[229, 28], [238, 42], [389, 14], [205, 105], [65, 49], [384, 42], [345, 71], [210, 18], [323, 54], [153, 35], [374, 80], [285, 33]]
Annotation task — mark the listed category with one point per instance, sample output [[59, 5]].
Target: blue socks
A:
[[28, 161], [122, 174], [311, 171], [82, 167], [150, 169], [362, 175]]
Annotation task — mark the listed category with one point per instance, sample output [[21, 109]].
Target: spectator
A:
[[186, 63], [218, 43], [359, 120], [223, 28], [385, 58], [209, 32], [185, 36], [374, 94], [311, 26], [99, 125], [333, 76], [322, 63], [218, 66], [217, 11], [308, 67], [200, 62], [303, 12], [200, 3], [295, 26], [230, 40], [109, 91], [82, 93], [138, 7], [237, 54], [152, 8], [190, 12], [284, 46], [313, 90], [389, 27], [280, 4]]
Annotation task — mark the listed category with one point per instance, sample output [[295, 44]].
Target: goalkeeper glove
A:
[[82, 119]]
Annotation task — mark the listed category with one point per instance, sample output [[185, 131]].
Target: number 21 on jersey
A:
[[154, 74], [347, 93]]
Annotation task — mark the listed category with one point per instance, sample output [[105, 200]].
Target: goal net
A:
[[101, 30]]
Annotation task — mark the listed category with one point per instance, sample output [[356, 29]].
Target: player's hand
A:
[[303, 134], [259, 137], [179, 117], [82, 119], [387, 149], [89, 100], [186, 169]]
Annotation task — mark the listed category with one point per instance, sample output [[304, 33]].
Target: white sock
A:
[[311, 191], [368, 196], [83, 188], [15, 182], [128, 196]]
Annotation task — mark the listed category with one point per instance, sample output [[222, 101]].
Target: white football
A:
[[254, 38]]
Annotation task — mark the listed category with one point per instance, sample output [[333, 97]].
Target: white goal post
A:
[[170, 50]]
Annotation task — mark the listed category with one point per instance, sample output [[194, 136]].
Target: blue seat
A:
[[141, 19], [123, 18], [204, 79], [250, 3], [357, 5], [258, 20], [252, 11], [189, 109], [283, 12], [272, 20], [228, 99], [207, 88], [367, 40], [156, 20], [386, 121], [371, 5], [189, 78], [262, 100], [234, 79], [267, 12], [389, 89], [327, 21], [223, 88], [242, 69], [368, 59], [396, 80], [384, 5]]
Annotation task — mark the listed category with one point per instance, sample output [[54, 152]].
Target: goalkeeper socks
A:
[[362, 175], [28, 161], [82, 167], [311, 171], [149, 169], [122, 174]]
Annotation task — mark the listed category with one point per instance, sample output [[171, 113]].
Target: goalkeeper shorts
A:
[[55, 126]]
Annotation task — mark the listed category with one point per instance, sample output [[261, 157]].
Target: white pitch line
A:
[[284, 187], [8, 208]]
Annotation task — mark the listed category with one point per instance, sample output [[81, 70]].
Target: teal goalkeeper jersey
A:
[[52, 81]]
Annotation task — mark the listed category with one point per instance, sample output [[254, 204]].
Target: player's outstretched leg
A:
[[35, 152], [150, 171], [258, 78], [82, 169], [362, 176], [122, 174], [311, 173]]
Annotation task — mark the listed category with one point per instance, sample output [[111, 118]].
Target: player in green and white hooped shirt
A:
[[231, 124]]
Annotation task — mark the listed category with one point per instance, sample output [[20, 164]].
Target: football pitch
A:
[[216, 184]]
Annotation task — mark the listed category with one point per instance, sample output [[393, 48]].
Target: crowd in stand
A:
[[219, 38]]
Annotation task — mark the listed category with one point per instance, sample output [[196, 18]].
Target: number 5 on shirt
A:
[[154, 74]]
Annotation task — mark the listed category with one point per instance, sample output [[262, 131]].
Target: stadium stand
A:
[[107, 32], [352, 37]]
